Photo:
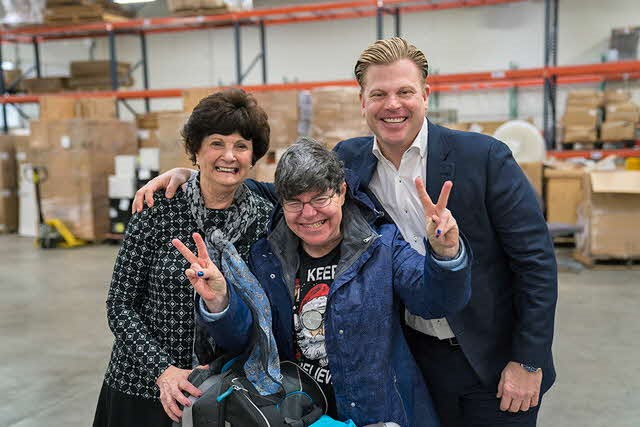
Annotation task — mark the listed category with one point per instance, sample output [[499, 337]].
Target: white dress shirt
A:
[[396, 191]]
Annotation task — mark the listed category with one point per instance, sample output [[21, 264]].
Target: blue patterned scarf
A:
[[262, 367]]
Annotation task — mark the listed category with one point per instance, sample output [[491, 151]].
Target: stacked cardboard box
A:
[[172, 153], [621, 117], [45, 84], [582, 116], [92, 75], [336, 115], [207, 7], [79, 157], [282, 109], [610, 216], [62, 12], [58, 107], [8, 185]]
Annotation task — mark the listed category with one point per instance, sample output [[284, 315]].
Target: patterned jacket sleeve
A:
[[128, 286]]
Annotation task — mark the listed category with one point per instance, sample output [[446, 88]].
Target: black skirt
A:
[[117, 409]]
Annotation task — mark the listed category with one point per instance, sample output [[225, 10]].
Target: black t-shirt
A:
[[310, 301]]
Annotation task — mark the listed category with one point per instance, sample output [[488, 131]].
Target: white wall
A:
[[458, 40]]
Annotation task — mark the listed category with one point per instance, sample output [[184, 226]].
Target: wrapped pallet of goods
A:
[[609, 215], [79, 157]]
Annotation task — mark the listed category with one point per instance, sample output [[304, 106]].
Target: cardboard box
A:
[[615, 96], [57, 107], [8, 211], [585, 98], [576, 133], [486, 127], [46, 84], [79, 156], [8, 185], [81, 69], [617, 131], [336, 115], [623, 112], [564, 193], [533, 171], [579, 116], [191, 97], [282, 109], [8, 171], [103, 108], [11, 77], [610, 215]]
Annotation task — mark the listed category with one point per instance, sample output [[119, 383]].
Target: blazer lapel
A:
[[439, 167]]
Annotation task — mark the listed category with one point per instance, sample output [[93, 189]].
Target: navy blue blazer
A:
[[514, 274]]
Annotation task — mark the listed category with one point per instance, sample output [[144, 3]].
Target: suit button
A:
[[353, 404], [273, 276], [341, 332]]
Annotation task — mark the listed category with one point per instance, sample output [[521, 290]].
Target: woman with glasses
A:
[[337, 284]]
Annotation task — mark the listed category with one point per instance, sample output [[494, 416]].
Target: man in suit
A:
[[490, 364]]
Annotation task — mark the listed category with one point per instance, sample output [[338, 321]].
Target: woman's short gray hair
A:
[[308, 166]]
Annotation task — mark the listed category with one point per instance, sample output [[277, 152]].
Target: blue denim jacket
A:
[[374, 376]]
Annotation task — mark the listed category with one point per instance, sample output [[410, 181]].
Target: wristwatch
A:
[[529, 368]]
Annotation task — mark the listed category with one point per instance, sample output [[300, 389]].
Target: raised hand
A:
[[171, 180], [204, 276], [442, 228]]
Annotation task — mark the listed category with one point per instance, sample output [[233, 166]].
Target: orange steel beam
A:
[[272, 16], [438, 83], [596, 154]]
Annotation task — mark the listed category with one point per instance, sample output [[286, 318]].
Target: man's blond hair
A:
[[388, 51]]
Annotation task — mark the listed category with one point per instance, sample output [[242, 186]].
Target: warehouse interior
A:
[[96, 93]]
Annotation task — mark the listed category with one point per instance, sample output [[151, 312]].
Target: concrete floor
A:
[[56, 342]]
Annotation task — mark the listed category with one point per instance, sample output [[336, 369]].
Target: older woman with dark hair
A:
[[336, 282], [149, 307]]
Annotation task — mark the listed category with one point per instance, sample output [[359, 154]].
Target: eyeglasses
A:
[[295, 206]]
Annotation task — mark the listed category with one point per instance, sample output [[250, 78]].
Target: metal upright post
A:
[[36, 56], [145, 68], [396, 15], [263, 49], [113, 62], [550, 81], [5, 125], [379, 23], [237, 40]]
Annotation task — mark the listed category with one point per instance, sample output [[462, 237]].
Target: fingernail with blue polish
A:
[[200, 273], [438, 232]]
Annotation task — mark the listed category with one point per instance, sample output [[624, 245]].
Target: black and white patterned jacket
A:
[[150, 301]]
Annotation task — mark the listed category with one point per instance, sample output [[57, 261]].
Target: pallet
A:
[[607, 264]]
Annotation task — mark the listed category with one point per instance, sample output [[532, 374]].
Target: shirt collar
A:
[[419, 144]]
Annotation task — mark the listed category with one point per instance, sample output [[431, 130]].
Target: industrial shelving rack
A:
[[549, 76]]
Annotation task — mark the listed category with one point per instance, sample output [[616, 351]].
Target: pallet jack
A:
[[52, 233]]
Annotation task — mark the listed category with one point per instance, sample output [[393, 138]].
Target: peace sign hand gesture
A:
[[442, 228], [204, 276]]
